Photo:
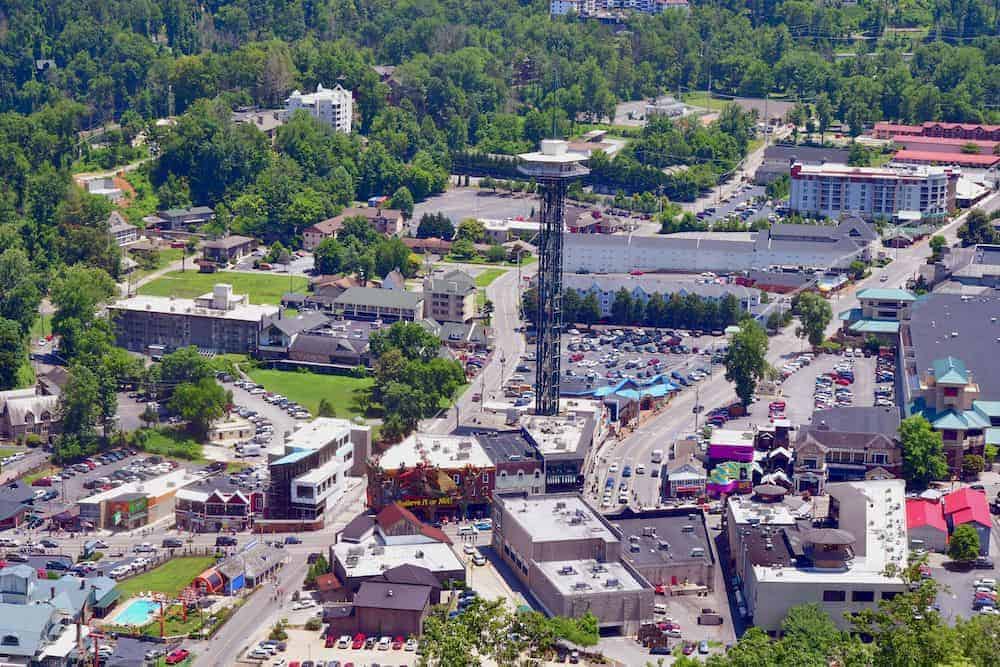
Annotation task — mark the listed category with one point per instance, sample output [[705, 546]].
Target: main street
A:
[[678, 419], [505, 293]]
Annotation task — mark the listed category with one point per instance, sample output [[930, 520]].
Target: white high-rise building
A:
[[899, 193], [334, 106]]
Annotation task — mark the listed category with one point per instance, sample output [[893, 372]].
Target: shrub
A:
[[314, 624]]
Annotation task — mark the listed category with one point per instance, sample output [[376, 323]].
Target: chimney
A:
[[52, 592], [388, 593]]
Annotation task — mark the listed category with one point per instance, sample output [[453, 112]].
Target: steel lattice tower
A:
[[552, 168]]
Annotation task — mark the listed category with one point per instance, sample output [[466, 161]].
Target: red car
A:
[[359, 641], [397, 643], [661, 589], [330, 641], [42, 481], [177, 656]]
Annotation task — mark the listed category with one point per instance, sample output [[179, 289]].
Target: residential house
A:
[[394, 280], [925, 524], [383, 220], [228, 249], [25, 411], [280, 331], [216, 505], [120, 231], [180, 219]]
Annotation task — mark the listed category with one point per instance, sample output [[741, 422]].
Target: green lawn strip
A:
[[262, 288], [170, 578], [41, 327], [7, 451], [172, 443], [487, 276], [307, 389], [38, 474]]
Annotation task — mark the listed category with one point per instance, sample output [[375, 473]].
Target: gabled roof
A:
[[397, 597], [393, 514], [952, 419], [920, 513], [357, 528], [966, 505], [950, 371], [290, 326], [373, 296], [411, 574]]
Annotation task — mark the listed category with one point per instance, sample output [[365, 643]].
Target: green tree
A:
[[923, 452], [937, 244], [589, 312], [815, 314], [463, 249], [496, 253], [325, 409], [746, 361], [470, 230], [184, 365], [13, 353], [402, 200], [977, 229], [435, 225], [972, 465], [199, 403], [621, 307], [78, 404], [76, 295], [963, 545], [328, 256]]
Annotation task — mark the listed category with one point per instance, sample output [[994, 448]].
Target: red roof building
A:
[[920, 513], [965, 505], [971, 160], [968, 506], [889, 130], [395, 519], [943, 145]]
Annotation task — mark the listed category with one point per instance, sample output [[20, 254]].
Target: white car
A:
[[411, 645], [384, 643], [613, 468], [344, 641], [469, 549], [640, 469], [306, 603]]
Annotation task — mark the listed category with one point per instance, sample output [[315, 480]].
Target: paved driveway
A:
[[462, 203]]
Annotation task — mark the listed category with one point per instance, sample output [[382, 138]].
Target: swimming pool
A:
[[138, 612]]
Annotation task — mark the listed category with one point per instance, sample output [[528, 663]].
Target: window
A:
[[11, 640], [888, 595], [880, 458], [951, 391], [863, 596], [949, 434], [457, 478], [834, 596], [811, 464]]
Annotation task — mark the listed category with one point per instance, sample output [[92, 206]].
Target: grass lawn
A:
[[308, 388], [173, 443], [262, 287], [487, 276], [170, 578], [700, 99], [44, 472], [164, 258], [7, 451], [41, 327]]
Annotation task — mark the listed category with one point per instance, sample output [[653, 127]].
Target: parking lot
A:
[[265, 413], [461, 203], [740, 205]]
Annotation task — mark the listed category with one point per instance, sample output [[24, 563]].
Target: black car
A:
[[172, 543], [49, 544], [292, 539], [983, 563], [14, 557], [56, 565], [659, 650], [225, 541]]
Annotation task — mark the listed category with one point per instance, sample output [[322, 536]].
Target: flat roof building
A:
[[220, 322], [309, 474], [833, 190], [372, 303], [334, 106], [564, 442], [782, 560], [570, 559], [669, 547]]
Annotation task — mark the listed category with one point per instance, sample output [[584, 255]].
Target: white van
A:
[[659, 608], [657, 456]]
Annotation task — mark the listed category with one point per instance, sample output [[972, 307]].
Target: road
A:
[[262, 609], [509, 345], [678, 419]]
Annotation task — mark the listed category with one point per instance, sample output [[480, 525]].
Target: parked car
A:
[[177, 656]]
